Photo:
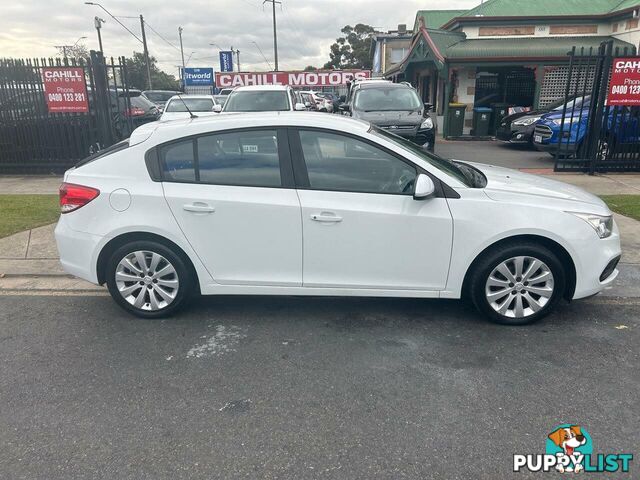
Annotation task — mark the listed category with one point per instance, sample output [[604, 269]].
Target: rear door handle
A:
[[325, 218], [198, 207]]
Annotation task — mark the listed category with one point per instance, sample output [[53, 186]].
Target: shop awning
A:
[[526, 48]]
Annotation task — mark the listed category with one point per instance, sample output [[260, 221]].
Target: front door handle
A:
[[325, 217], [198, 207]]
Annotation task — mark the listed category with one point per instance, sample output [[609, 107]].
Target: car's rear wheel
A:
[[517, 284], [147, 279]]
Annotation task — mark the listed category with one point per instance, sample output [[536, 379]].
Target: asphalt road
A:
[[306, 388], [494, 153]]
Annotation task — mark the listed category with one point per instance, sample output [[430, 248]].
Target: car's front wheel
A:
[[517, 284], [147, 279]]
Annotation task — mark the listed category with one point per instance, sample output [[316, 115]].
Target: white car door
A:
[[235, 202], [362, 227]]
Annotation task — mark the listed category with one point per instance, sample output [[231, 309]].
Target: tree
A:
[[137, 74], [353, 50], [310, 68], [77, 51]]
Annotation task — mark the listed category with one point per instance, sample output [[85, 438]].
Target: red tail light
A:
[[72, 196], [134, 112]]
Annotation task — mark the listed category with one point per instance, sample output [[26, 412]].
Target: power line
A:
[[165, 40]]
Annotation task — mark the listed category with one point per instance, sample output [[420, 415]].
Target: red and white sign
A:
[[65, 89], [316, 78], [624, 87]]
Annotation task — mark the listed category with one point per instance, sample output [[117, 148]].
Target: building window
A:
[[397, 54]]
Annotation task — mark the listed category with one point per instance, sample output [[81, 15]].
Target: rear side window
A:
[[241, 158], [248, 158], [177, 161]]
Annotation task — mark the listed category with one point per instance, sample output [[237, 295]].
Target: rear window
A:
[[194, 104], [258, 101], [104, 152], [159, 96]]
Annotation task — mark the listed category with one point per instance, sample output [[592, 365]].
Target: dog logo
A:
[[571, 442], [569, 449]]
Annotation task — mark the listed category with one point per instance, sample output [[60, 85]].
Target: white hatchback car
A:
[[308, 204], [262, 98], [183, 106]]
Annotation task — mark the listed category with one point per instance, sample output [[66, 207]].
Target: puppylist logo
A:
[[569, 450]]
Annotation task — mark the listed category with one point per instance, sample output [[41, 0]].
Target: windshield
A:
[[194, 104], [159, 96], [447, 166], [575, 103], [386, 99], [257, 101]]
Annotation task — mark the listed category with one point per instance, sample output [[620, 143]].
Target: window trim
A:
[[157, 174], [301, 174]]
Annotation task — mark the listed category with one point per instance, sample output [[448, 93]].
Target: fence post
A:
[[597, 111], [102, 99]]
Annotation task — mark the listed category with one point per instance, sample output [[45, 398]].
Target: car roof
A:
[[382, 85], [174, 129], [253, 88]]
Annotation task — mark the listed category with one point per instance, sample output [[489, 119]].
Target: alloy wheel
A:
[[519, 287], [147, 280]]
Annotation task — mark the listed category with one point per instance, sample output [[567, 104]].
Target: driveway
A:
[[306, 388], [494, 153]]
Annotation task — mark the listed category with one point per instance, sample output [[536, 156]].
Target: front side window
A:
[[257, 101], [338, 162], [248, 158]]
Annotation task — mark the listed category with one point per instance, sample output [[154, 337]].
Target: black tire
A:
[[494, 257], [184, 277]]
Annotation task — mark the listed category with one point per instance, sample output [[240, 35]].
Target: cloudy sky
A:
[[306, 28]]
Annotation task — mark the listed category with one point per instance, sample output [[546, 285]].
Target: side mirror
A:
[[298, 107], [428, 107], [217, 108], [424, 187], [345, 107]]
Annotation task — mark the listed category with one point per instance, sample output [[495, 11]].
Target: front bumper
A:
[[596, 264], [516, 135]]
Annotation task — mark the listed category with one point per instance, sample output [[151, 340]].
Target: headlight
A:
[[602, 225], [568, 120], [523, 122], [427, 123]]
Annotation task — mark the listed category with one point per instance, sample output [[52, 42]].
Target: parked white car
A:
[[320, 103], [179, 107], [308, 204], [263, 98]]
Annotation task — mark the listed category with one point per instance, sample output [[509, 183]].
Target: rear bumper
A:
[[78, 251]]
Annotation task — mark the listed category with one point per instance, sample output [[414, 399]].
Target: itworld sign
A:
[[198, 77]]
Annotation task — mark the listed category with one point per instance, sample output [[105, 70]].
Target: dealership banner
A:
[[226, 61], [624, 87], [198, 77], [65, 89], [315, 78]]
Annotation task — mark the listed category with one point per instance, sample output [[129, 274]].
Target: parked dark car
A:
[[518, 128], [138, 109], [395, 107]]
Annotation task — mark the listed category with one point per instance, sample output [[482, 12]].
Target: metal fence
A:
[[33, 140], [594, 136]]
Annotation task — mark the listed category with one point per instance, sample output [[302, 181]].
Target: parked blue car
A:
[[621, 127]]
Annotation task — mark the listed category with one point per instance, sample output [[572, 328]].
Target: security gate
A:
[[37, 137], [594, 135]]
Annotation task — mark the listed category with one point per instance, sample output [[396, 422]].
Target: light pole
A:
[[142, 40], [275, 35], [97, 21], [181, 50]]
